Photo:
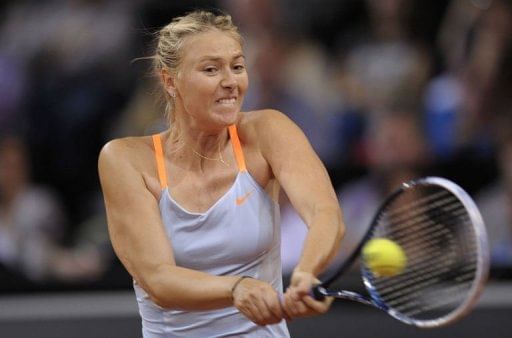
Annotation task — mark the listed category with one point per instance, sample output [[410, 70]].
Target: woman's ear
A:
[[168, 82]]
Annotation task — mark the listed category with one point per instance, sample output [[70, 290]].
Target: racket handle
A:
[[317, 293]]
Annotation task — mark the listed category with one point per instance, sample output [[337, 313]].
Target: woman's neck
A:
[[196, 146]]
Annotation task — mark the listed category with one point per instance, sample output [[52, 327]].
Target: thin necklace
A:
[[220, 159]]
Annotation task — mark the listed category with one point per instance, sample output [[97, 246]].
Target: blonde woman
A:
[[192, 211]]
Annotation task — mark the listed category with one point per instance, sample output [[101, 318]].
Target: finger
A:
[[296, 307], [303, 287], [289, 305], [274, 305], [262, 311], [284, 314], [318, 306], [248, 313], [256, 315], [302, 308], [297, 289], [285, 307], [251, 310], [294, 294]]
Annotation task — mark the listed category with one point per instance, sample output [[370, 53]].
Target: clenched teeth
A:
[[227, 101]]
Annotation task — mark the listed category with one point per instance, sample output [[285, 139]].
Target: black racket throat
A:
[[319, 292]]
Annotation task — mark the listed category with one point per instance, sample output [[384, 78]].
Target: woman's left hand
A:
[[298, 301]]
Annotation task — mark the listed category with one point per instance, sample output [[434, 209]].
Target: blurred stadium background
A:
[[385, 90]]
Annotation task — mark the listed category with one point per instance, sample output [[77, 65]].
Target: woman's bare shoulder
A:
[[258, 116], [251, 123], [258, 124], [133, 151]]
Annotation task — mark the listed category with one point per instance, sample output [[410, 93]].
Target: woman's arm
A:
[[306, 182], [139, 239]]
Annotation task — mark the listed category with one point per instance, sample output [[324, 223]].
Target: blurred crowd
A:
[[385, 90]]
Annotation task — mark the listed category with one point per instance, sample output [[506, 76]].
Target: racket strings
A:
[[418, 203], [435, 299], [420, 210], [403, 298], [400, 296], [442, 299], [430, 226], [419, 270], [416, 280], [427, 233]]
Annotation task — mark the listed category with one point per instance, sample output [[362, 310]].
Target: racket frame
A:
[[482, 267]]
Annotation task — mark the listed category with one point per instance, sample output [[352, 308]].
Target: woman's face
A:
[[211, 80]]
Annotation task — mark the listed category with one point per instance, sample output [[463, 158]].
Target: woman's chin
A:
[[227, 118]]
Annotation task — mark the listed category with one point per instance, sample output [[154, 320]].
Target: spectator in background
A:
[[385, 63], [70, 59], [473, 40], [142, 115], [495, 203], [396, 152], [379, 67], [32, 224]]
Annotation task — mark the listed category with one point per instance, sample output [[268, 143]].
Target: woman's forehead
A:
[[211, 45]]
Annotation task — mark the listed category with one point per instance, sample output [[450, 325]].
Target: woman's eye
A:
[[210, 70]]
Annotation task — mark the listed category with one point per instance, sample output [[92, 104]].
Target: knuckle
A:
[[274, 321], [303, 311], [263, 288], [276, 309], [261, 322], [267, 315], [265, 322], [244, 302], [253, 296]]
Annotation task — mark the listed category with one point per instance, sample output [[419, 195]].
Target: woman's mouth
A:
[[227, 101]]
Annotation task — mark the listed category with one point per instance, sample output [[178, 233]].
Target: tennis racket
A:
[[441, 231]]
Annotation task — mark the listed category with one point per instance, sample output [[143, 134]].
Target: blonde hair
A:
[[170, 41]]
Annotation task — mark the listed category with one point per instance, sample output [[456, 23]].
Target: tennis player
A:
[[192, 211]]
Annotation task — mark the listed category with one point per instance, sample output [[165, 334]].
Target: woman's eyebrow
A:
[[219, 58]]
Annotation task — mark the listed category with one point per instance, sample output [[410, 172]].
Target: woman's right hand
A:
[[258, 301]]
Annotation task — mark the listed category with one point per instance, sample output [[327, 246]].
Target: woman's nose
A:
[[229, 80]]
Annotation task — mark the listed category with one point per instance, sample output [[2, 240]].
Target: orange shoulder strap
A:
[[237, 148], [159, 156]]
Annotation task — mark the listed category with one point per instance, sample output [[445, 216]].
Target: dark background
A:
[[63, 96]]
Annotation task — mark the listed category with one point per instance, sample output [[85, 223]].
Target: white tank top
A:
[[238, 235]]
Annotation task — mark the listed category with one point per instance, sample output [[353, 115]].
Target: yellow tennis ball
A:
[[384, 257]]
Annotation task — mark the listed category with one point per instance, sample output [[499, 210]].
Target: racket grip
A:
[[316, 293]]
